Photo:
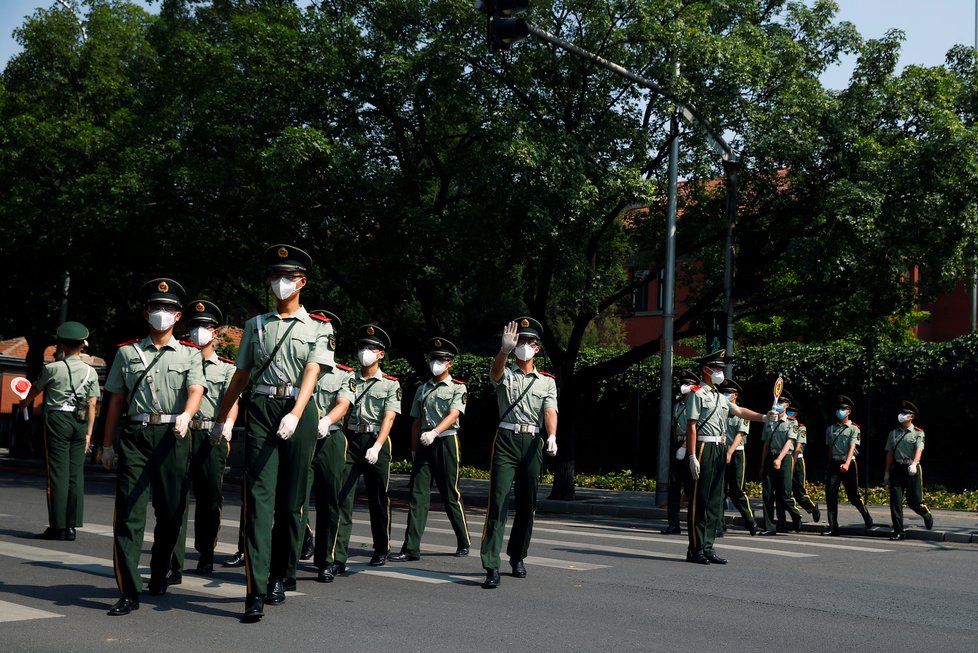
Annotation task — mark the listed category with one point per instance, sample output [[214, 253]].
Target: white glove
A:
[[372, 454], [912, 468], [886, 477], [220, 431], [428, 437], [680, 453], [108, 458], [508, 343], [551, 445], [694, 467], [771, 417], [287, 426], [324, 425], [181, 425]]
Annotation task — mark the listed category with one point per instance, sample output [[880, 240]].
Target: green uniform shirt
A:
[[802, 437], [178, 368], [310, 341], [737, 425], [710, 410], [840, 436], [679, 422], [373, 397], [777, 433], [59, 385], [905, 442], [529, 409], [217, 378], [336, 384], [435, 399]]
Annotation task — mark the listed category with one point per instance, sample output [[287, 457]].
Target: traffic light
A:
[[505, 28], [716, 331]]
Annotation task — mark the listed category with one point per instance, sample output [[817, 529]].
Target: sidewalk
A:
[[957, 526]]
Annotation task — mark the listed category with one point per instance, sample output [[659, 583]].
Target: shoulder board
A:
[[128, 342], [392, 378], [547, 374], [854, 424], [694, 388], [801, 425], [794, 419], [345, 368], [463, 383], [226, 360], [918, 429], [321, 318], [190, 344]]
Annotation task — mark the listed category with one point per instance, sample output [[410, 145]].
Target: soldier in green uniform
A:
[[678, 469], [207, 461], [437, 407], [799, 477], [527, 400], [707, 410], [842, 439], [735, 470], [376, 402], [70, 390], [904, 446], [334, 396], [157, 385], [282, 354], [777, 466]]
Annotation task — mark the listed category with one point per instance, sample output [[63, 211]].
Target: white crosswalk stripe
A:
[[13, 612]]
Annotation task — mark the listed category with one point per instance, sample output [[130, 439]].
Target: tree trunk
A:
[[563, 465], [563, 487]]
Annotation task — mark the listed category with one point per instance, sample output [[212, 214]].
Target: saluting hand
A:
[[508, 342]]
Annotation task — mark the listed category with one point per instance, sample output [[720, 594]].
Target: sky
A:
[[931, 28]]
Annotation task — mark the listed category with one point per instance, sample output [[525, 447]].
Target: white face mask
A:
[[284, 288], [367, 357], [437, 367], [162, 320], [525, 352], [717, 377], [201, 336], [685, 388], [903, 418]]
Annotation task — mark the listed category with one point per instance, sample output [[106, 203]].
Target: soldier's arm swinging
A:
[[849, 455], [310, 376], [195, 394], [91, 423], [385, 427]]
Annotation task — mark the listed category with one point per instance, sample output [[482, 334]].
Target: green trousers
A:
[[705, 515], [207, 465], [736, 478], [834, 477], [438, 464], [901, 482], [678, 485], [151, 458], [776, 484], [276, 477], [376, 479], [516, 460], [328, 468], [64, 461], [799, 489]]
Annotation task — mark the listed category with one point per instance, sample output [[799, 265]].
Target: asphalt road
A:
[[593, 585]]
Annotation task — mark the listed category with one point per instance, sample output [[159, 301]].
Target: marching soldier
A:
[[678, 469], [436, 409], [842, 439], [777, 466], [904, 446], [376, 402], [799, 489], [527, 400], [207, 461], [334, 396], [735, 471], [70, 390], [282, 353], [706, 412], [157, 385]]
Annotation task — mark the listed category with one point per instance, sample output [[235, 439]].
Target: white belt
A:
[[363, 428], [153, 418], [333, 428], [906, 461], [443, 434], [740, 448], [710, 438], [799, 456], [64, 408], [519, 428], [285, 390], [838, 460], [201, 424]]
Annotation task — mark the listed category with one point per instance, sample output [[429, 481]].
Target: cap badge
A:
[[283, 252], [525, 323], [163, 287], [437, 342], [199, 307], [371, 331]]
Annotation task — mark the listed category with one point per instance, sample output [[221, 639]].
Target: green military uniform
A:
[[839, 437], [151, 456], [439, 461], [68, 386], [678, 474], [799, 477], [207, 461], [903, 444], [709, 409], [373, 397], [329, 464], [277, 470], [776, 483], [735, 471]]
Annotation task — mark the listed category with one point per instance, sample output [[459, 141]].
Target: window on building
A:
[[640, 296]]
